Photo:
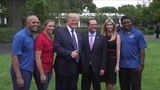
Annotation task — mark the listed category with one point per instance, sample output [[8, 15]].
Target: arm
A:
[[104, 57], [39, 65], [59, 49], [16, 68], [142, 45], [118, 42], [142, 57], [16, 52]]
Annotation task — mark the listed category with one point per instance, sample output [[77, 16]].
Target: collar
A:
[[70, 28], [94, 34], [130, 31], [28, 32]]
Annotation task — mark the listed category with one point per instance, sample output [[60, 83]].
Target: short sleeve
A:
[[17, 43], [141, 41], [39, 43]]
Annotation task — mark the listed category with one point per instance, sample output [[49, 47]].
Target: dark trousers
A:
[[42, 86], [27, 77], [89, 78], [157, 34], [66, 82], [130, 79]]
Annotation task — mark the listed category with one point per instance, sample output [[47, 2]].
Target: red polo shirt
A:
[[46, 46]]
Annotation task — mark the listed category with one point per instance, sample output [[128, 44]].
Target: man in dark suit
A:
[[68, 42], [93, 57]]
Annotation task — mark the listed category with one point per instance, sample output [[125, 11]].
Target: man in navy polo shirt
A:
[[23, 55], [132, 56]]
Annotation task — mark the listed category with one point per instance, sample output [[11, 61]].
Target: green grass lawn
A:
[[150, 78]]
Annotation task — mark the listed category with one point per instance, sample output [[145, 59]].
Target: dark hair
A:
[[125, 17], [88, 22]]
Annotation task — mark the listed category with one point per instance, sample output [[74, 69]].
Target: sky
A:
[[117, 3]]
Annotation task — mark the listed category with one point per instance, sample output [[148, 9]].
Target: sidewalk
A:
[[6, 48]]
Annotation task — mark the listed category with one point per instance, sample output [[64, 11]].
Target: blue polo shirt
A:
[[131, 44], [23, 46]]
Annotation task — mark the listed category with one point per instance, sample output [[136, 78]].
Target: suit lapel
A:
[[78, 37], [95, 41], [68, 36], [87, 41]]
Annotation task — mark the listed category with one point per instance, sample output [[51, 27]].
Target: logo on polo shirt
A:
[[131, 36]]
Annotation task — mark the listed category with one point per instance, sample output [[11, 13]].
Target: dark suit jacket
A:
[[64, 64], [97, 56]]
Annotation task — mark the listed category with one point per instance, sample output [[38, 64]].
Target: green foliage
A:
[[129, 10], [45, 9], [154, 11], [66, 6], [27, 9], [41, 8], [88, 3], [6, 35], [107, 10], [149, 30]]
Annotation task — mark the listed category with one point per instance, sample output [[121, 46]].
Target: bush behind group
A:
[[6, 33]]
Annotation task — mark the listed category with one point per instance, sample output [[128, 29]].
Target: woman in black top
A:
[[113, 53]]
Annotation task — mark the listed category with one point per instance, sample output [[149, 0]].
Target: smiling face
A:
[[32, 23], [72, 20], [50, 26], [126, 24], [92, 26], [109, 26]]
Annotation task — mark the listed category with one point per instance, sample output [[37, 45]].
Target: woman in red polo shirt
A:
[[44, 55]]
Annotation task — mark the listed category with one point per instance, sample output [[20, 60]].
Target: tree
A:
[[88, 3], [134, 12], [154, 11], [42, 8], [107, 10], [53, 8]]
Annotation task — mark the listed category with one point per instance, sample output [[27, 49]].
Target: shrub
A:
[[6, 35], [149, 30]]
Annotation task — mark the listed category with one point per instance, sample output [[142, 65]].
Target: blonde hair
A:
[[72, 15], [46, 22], [114, 30]]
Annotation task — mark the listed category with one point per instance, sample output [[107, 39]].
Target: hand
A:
[[20, 82], [117, 69], [102, 72], [43, 78], [74, 54], [140, 68]]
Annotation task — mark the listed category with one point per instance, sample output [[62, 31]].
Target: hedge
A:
[[6, 35]]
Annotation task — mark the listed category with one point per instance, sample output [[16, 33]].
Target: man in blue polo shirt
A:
[[23, 55], [132, 56]]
